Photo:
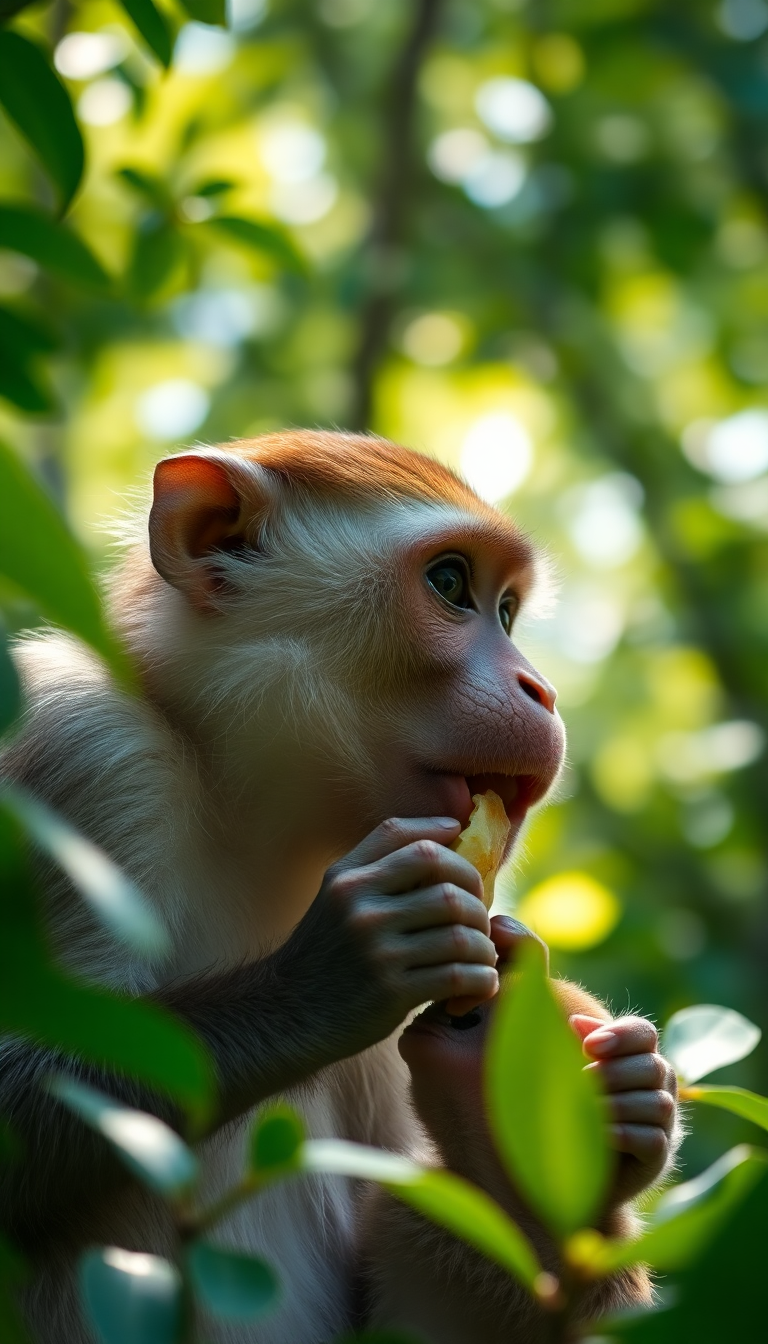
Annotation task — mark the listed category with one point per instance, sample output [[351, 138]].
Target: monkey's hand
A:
[[641, 1089], [397, 922]]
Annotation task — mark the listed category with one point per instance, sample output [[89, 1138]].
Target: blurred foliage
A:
[[529, 238]]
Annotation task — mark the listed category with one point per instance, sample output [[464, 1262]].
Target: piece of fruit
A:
[[483, 840]]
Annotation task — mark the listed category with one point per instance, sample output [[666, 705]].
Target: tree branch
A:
[[391, 201]]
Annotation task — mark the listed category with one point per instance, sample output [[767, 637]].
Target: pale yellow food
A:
[[484, 838]]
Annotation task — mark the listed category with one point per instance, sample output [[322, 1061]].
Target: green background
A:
[[284, 236]]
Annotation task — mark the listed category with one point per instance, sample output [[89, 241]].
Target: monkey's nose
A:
[[538, 689]]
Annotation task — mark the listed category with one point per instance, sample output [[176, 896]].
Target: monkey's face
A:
[[468, 712]]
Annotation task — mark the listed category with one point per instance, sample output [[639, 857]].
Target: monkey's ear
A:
[[201, 505]]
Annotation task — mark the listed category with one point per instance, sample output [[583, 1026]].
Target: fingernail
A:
[[448, 822], [601, 1042], [514, 925]]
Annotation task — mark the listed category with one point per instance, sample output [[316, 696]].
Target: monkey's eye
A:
[[450, 578], [507, 612]]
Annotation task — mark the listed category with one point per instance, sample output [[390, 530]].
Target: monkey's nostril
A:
[[531, 690], [539, 691]]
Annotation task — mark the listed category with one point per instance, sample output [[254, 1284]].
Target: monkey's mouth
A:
[[435, 1021], [517, 792]]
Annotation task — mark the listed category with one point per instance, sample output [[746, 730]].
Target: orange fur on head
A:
[[370, 470]]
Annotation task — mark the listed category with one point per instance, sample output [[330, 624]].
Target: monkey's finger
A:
[[584, 1025], [648, 1143], [623, 1036], [422, 864], [643, 1108], [396, 832], [455, 943], [455, 980], [509, 935], [633, 1072], [431, 907]]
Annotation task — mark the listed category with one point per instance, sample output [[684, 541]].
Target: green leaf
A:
[[276, 1139], [157, 250], [546, 1109], [115, 900], [682, 1222], [29, 230], [722, 1295], [20, 385], [749, 1105], [37, 101], [40, 555], [116, 1032], [207, 11], [10, 690], [28, 334], [217, 186], [236, 1287], [149, 186], [23, 336], [706, 1037], [153, 27], [261, 237], [10, 7], [152, 1150], [441, 1196], [131, 1298]]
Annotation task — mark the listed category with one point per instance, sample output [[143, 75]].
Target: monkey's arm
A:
[[264, 1030], [374, 945]]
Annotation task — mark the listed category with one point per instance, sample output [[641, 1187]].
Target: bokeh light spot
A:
[[572, 911], [559, 62], [85, 55], [202, 49], [495, 179], [688, 757], [104, 102], [454, 154], [622, 138], [743, 20], [731, 450], [604, 524], [496, 455], [433, 339], [291, 151], [172, 409], [514, 110]]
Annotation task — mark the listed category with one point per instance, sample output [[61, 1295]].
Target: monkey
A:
[[421, 1278], [322, 630]]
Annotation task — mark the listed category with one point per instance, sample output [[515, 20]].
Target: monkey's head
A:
[[332, 617]]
